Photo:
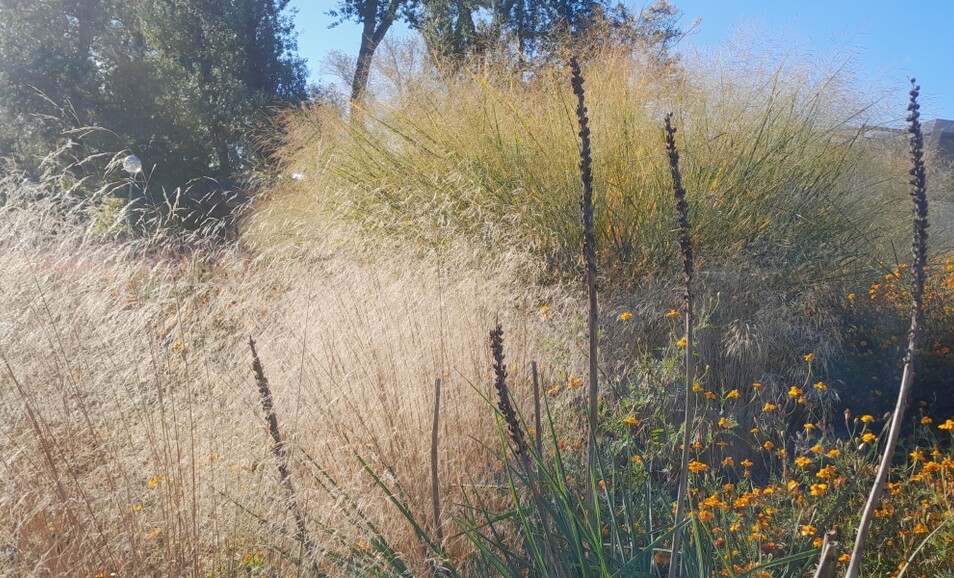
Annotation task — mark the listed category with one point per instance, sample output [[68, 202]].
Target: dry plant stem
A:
[[685, 245], [536, 407], [278, 449], [435, 477], [826, 563], [919, 249], [589, 256]]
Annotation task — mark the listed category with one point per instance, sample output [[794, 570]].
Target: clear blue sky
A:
[[891, 40]]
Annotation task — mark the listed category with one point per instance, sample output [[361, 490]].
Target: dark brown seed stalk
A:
[[685, 246], [589, 257], [278, 448], [919, 247], [504, 402]]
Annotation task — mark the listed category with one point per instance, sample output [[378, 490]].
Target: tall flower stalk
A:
[[919, 248], [685, 246], [589, 258]]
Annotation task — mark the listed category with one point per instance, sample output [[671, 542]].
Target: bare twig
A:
[[435, 478]]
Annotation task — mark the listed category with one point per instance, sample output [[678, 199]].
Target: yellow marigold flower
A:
[[809, 426], [795, 391], [809, 357], [734, 394], [817, 542], [625, 316], [574, 382], [808, 530], [754, 430], [153, 481], [868, 437], [817, 449], [820, 386], [826, 472], [553, 390], [792, 486], [833, 453], [917, 456], [682, 342], [844, 558], [672, 313], [867, 419], [769, 406], [706, 516], [747, 463], [697, 467], [926, 420], [768, 445], [920, 528], [630, 420], [637, 459], [544, 308], [725, 423], [948, 425], [802, 461], [851, 297], [819, 489]]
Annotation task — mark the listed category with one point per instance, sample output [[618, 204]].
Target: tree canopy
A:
[[181, 83]]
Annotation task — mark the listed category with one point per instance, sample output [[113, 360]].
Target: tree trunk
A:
[[371, 37]]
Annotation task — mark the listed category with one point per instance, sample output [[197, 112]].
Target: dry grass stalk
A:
[[919, 249], [589, 257], [281, 454], [685, 245]]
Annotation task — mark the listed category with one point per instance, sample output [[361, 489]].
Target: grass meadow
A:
[[134, 440]]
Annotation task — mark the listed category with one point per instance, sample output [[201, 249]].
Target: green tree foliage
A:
[[458, 29], [181, 83]]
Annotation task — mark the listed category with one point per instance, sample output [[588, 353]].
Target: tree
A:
[[182, 83], [375, 17]]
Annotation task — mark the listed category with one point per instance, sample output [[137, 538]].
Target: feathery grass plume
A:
[[281, 454], [589, 256], [685, 246], [918, 183]]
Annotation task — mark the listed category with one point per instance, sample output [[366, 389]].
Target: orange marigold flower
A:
[[728, 462], [757, 386], [819, 489], [948, 425], [747, 463], [734, 394], [817, 449], [808, 530], [833, 453], [820, 386], [696, 387], [725, 423], [769, 406], [844, 558], [682, 342], [795, 391], [630, 420], [802, 461], [809, 357], [851, 297], [672, 313], [574, 382], [705, 516], [768, 445], [710, 395], [697, 467], [625, 316], [926, 420]]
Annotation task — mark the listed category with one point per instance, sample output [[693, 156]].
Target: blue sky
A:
[[889, 40]]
